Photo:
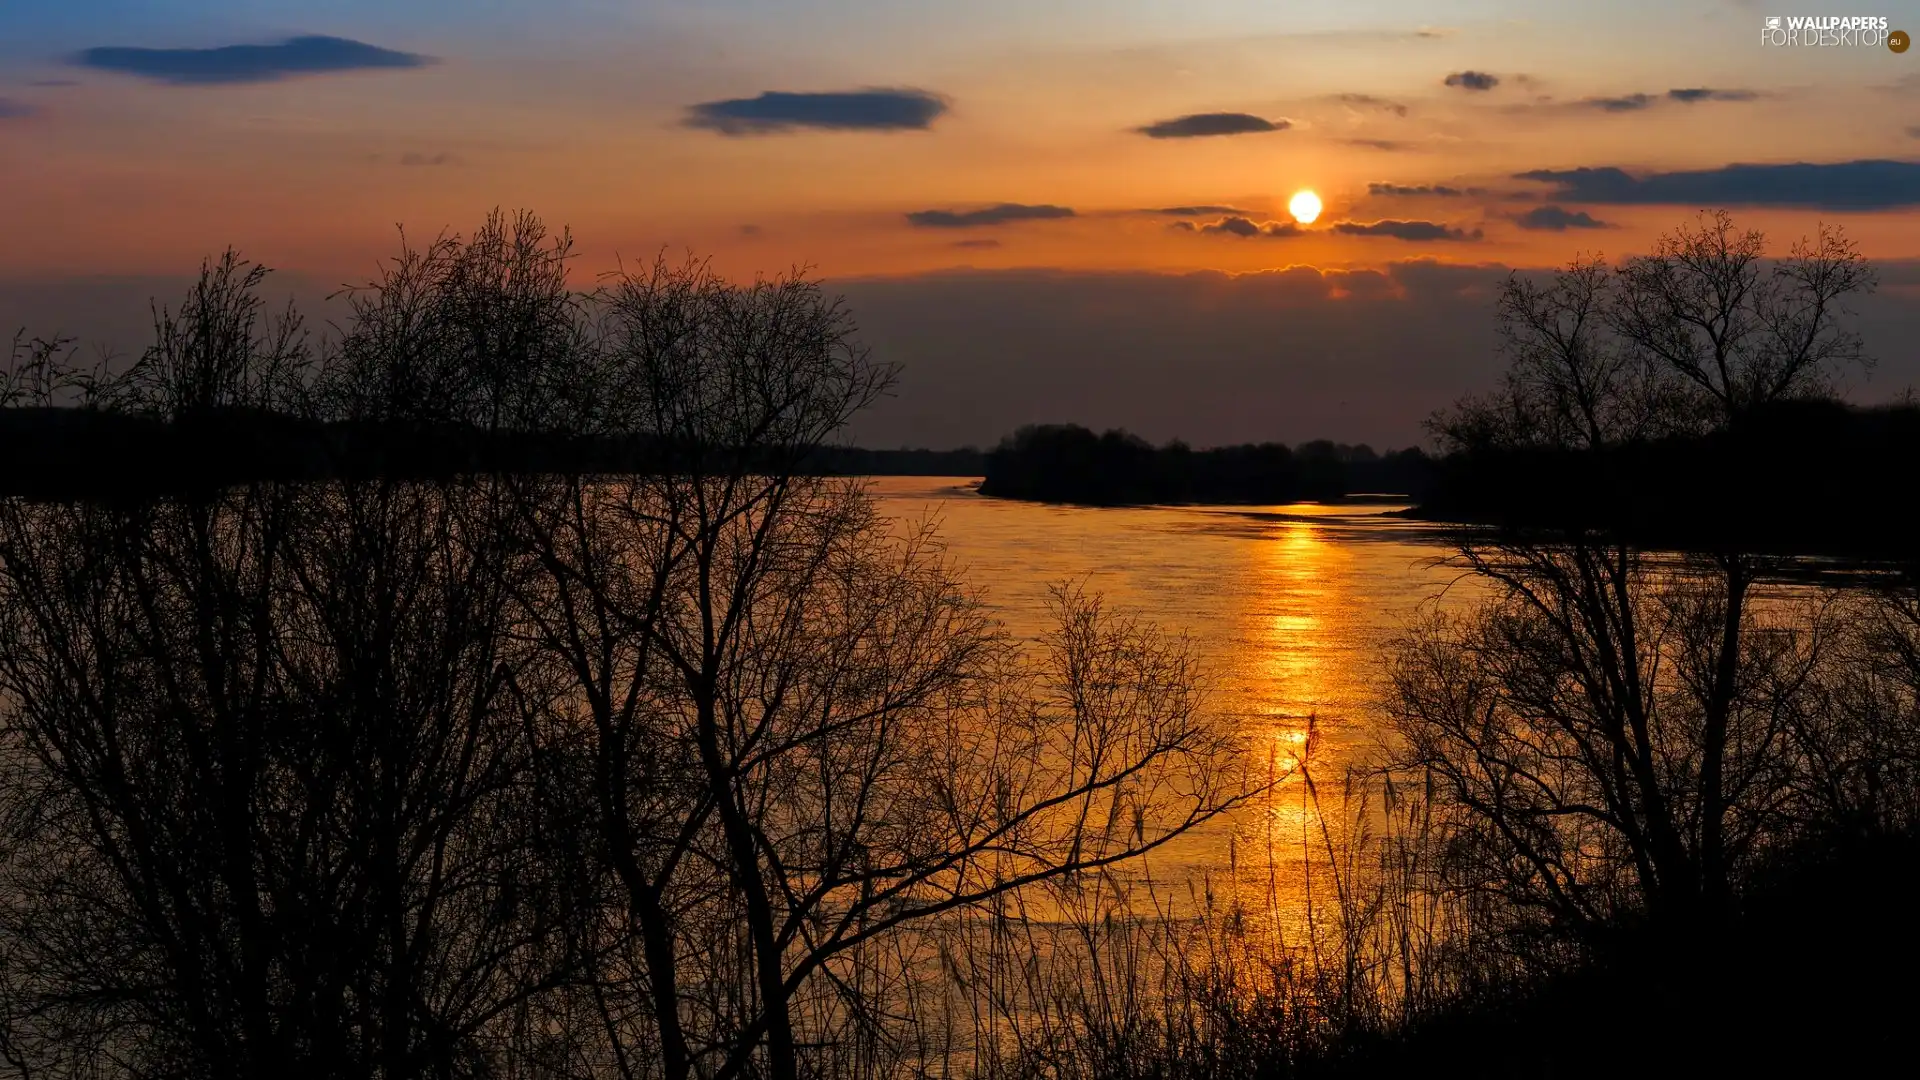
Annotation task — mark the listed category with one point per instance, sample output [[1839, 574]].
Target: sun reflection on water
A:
[[1288, 607]]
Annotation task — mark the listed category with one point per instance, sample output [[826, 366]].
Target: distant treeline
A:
[[1069, 463], [1807, 477], [55, 453]]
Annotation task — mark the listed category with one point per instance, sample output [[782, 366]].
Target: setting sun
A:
[[1304, 206]]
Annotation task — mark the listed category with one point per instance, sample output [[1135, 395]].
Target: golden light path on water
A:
[[1288, 607]]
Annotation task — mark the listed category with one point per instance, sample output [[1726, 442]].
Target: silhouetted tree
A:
[[464, 769], [797, 734], [1614, 728]]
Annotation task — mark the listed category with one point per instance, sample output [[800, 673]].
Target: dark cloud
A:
[[311, 55], [992, 215], [1914, 132], [1359, 356], [1202, 124], [853, 110], [1701, 93], [1473, 80], [1199, 211], [1624, 103], [1405, 230], [12, 110], [54, 82], [1210, 357], [441, 158], [983, 243], [1378, 144], [1368, 101], [1420, 190], [1846, 185], [750, 230], [1243, 227], [1558, 219]]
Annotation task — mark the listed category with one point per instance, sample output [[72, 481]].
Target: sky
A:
[[1044, 210]]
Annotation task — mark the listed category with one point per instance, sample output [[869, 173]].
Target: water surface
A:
[[1288, 608]]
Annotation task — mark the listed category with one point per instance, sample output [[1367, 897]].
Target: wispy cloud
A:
[[1370, 102], [1702, 93], [1244, 227], [1406, 230], [1846, 185], [1472, 80], [310, 55], [1623, 103], [1639, 102], [991, 215], [1199, 211], [1558, 219], [1380, 144], [1199, 125], [441, 158], [1419, 190], [12, 110], [982, 243], [854, 110]]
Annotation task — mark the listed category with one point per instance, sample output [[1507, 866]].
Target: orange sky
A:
[[120, 174]]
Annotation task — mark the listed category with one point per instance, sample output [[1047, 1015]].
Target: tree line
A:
[[1069, 463]]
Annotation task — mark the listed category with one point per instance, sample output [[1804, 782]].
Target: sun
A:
[[1304, 206]]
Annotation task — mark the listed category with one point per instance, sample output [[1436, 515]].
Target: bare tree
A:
[[800, 732], [505, 771], [271, 793], [1612, 727]]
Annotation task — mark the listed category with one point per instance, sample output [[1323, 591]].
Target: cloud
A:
[[1637, 102], [1368, 101], [1405, 230], [1203, 124], [750, 230], [1624, 103], [1198, 211], [441, 158], [1473, 80], [1847, 185], [1913, 132], [983, 243], [13, 110], [854, 110], [54, 82], [1558, 219], [1397, 190], [992, 215], [311, 55], [1243, 227], [1379, 144], [1701, 93], [1209, 357]]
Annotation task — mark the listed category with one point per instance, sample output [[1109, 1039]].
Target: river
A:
[[1289, 609]]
